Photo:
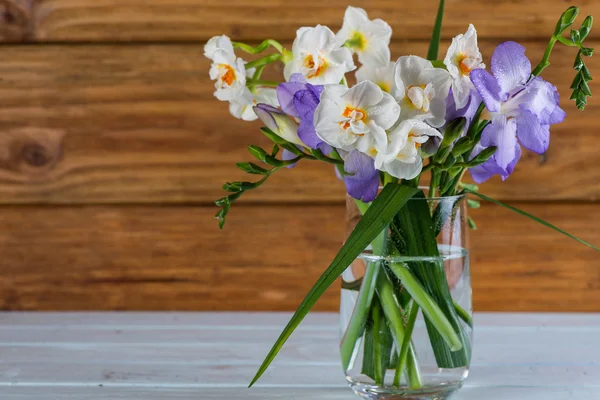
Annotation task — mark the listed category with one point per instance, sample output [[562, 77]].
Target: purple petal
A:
[[287, 155], [532, 134], [542, 99], [468, 111], [510, 66], [285, 95], [364, 181], [501, 133], [480, 174], [264, 112], [488, 88], [306, 102]]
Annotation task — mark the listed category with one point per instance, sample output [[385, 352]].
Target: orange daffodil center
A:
[[356, 118], [352, 117], [315, 66], [316, 56], [227, 75]]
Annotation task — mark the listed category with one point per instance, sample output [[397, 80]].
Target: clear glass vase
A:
[[406, 304]]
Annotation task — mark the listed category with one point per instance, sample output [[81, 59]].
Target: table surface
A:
[[135, 356]]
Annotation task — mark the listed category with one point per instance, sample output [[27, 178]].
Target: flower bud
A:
[[278, 122]]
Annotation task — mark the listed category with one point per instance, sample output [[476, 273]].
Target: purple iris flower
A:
[[521, 108], [300, 99], [362, 181]]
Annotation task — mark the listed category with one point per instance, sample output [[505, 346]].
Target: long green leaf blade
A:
[[428, 305], [536, 219], [391, 199], [434, 45]]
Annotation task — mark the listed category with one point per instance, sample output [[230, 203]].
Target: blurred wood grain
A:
[[197, 20], [267, 258], [139, 124], [112, 147]]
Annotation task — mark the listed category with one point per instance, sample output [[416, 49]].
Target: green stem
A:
[[258, 72], [545, 60], [356, 325], [377, 340], [391, 309], [568, 42], [463, 314], [410, 325], [263, 61], [260, 48], [428, 305], [252, 83]]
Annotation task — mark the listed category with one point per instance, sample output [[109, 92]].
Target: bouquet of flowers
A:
[[402, 120]]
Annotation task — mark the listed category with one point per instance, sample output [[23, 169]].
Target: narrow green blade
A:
[[391, 199], [536, 219], [434, 45]]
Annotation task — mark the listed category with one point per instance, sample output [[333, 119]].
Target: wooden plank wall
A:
[[112, 149]]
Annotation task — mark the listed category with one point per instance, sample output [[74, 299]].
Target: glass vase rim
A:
[[425, 189]]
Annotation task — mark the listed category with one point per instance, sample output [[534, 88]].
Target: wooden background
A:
[[112, 148]]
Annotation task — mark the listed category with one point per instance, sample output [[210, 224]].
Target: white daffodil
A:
[[242, 107], [317, 57], [218, 43], [356, 118], [381, 76], [402, 157], [370, 39], [421, 90], [463, 56], [228, 72]]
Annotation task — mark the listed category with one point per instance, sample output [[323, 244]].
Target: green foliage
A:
[[391, 199], [534, 218], [434, 44], [580, 86], [238, 188]]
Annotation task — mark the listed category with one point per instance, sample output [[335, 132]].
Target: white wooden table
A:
[[167, 356]]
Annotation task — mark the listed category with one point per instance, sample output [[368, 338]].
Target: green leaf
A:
[[483, 156], [575, 36], [472, 223], [430, 308], [578, 64], [391, 199], [455, 128], [576, 81], [568, 17], [418, 228], [586, 27], [258, 152], [251, 168], [536, 219], [434, 44], [587, 51], [473, 203], [275, 150], [587, 76], [275, 138]]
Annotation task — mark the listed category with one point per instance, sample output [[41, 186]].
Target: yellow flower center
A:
[[357, 41], [384, 86], [315, 68]]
